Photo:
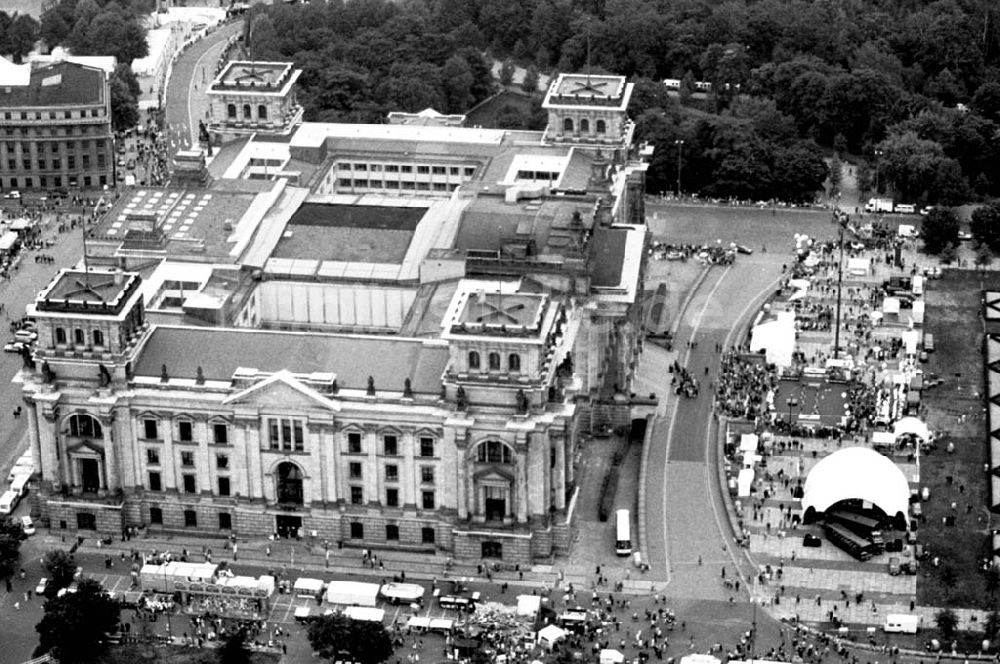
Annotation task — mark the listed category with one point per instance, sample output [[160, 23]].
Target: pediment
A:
[[282, 391], [493, 476], [85, 447]]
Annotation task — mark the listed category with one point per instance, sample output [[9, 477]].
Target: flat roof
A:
[[58, 84], [104, 291], [349, 233], [264, 78], [221, 351], [588, 91], [518, 310], [607, 254]]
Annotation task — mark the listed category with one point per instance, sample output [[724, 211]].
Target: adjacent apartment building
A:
[[55, 127]]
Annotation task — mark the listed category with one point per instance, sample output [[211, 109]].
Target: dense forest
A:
[[913, 86]]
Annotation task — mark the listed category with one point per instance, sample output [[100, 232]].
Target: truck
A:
[[879, 205], [901, 623]]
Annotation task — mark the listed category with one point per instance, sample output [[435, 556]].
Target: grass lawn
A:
[[956, 409], [134, 653]]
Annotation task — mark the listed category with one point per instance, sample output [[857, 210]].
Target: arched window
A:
[[79, 337], [231, 111], [568, 124], [493, 451], [246, 112], [83, 425], [98, 337], [60, 335], [473, 359], [585, 125], [514, 362], [262, 112], [494, 361], [601, 127], [289, 483]]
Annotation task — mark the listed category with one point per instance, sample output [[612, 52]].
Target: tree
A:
[[338, 637], [863, 175], [947, 622], [984, 258], [992, 626], [20, 37], [75, 626], [985, 225], [986, 101], [941, 228], [457, 80], [234, 648], [60, 566], [530, 82], [11, 536], [117, 35], [125, 93]]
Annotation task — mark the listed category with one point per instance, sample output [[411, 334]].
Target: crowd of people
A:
[[744, 385]]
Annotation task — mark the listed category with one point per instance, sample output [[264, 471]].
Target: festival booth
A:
[[528, 606], [352, 593], [550, 635], [917, 312], [235, 597], [609, 656], [365, 613], [700, 658], [308, 588], [911, 342], [402, 593], [883, 441], [8, 243], [744, 482], [859, 267], [911, 427], [163, 578]]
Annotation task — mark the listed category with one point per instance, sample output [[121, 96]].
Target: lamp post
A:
[[878, 158], [791, 402], [841, 222], [680, 148]]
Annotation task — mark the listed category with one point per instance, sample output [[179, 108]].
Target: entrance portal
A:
[[90, 478], [86, 521], [287, 526]]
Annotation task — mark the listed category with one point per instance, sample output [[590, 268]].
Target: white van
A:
[[901, 623], [9, 501], [25, 336], [20, 469]]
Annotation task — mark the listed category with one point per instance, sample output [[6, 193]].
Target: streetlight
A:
[[841, 220], [878, 155], [680, 147], [791, 402]]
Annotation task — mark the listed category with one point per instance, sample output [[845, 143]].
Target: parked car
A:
[[743, 249], [14, 347], [43, 584], [894, 568], [811, 540], [27, 525], [13, 195]]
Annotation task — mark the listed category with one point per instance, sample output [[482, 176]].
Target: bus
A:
[[623, 536], [864, 526], [852, 543]]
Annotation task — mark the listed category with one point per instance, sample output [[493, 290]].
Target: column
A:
[[34, 439], [255, 472], [453, 443], [205, 462], [47, 445], [521, 482], [369, 466], [241, 462], [168, 460], [409, 471], [109, 480], [559, 472], [338, 491], [125, 449]]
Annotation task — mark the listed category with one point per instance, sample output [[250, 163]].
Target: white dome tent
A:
[[856, 473], [911, 426]]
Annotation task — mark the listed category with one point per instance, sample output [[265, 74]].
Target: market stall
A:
[[550, 635], [352, 593], [365, 613], [402, 593], [308, 588], [236, 597]]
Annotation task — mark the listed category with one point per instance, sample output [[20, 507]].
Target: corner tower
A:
[[589, 110]]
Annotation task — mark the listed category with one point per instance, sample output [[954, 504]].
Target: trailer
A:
[[901, 623]]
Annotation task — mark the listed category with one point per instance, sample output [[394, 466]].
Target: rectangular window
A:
[[345, 182], [438, 170], [221, 433], [299, 436], [361, 184], [190, 519], [70, 162], [408, 185], [41, 164], [361, 167], [392, 473], [100, 160], [222, 461], [189, 484], [392, 497], [392, 532], [427, 535], [156, 516], [86, 160], [391, 184], [225, 521], [354, 442], [343, 167], [274, 435], [453, 170], [390, 445], [187, 459], [440, 186], [150, 429], [185, 431], [427, 474], [357, 530], [354, 470], [376, 168], [406, 169], [423, 169], [426, 446], [223, 486], [469, 171], [286, 434], [56, 163], [153, 457], [154, 482], [391, 168], [427, 499], [357, 495], [423, 186]]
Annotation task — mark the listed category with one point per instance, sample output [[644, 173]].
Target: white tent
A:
[[365, 613], [744, 481], [609, 656], [857, 473], [883, 438], [305, 587], [352, 593], [775, 335], [748, 442], [528, 605], [419, 622], [911, 425], [911, 339], [8, 239], [549, 635], [700, 658], [918, 312], [890, 305], [859, 267]]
